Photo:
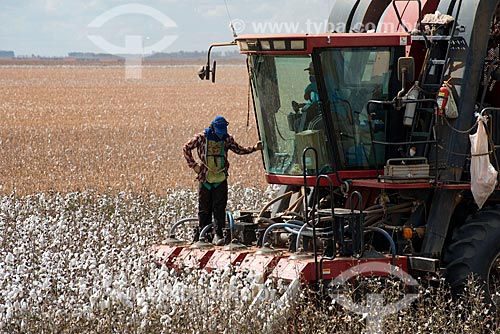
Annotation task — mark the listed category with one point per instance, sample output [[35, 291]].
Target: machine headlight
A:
[[243, 45], [299, 44], [265, 45], [279, 45]]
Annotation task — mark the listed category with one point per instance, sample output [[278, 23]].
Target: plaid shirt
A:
[[199, 142]]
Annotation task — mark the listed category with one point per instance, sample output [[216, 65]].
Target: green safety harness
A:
[[215, 175]]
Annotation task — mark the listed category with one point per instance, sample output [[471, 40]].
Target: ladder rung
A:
[[438, 61]]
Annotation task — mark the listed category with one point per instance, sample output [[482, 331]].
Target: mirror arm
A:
[[399, 97], [207, 68]]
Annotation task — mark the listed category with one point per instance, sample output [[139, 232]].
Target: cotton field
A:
[[93, 176], [79, 263]]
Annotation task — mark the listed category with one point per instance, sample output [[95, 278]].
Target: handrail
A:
[[305, 177], [304, 152], [357, 230]]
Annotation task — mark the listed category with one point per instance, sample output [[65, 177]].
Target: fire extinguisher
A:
[[442, 98]]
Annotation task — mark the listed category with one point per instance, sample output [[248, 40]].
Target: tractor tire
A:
[[475, 250]]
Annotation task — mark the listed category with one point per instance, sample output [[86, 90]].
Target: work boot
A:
[[218, 240]]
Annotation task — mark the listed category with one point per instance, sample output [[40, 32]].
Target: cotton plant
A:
[[79, 262]]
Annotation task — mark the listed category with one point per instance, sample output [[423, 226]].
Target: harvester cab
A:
[[342, 72], [367, 130]]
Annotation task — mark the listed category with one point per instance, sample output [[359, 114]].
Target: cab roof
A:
[[305, 43]]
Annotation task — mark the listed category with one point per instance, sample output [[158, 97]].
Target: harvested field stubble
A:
[[88, 128]]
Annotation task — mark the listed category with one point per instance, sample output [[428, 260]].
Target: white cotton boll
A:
[[173, 311], [233, 281], [107, 282], [11, 295], [33, 295], [246, 294], [105, 304], [160, 284], [9, 258], [141, 301], [46, 284], [150, 291], [167, 289], [21, 269], [93, 300], [24, 306], [144, 323], [18, 250], [118, 296], [255, 288], [144, 309]]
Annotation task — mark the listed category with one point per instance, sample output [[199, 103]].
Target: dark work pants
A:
[[212, 202]]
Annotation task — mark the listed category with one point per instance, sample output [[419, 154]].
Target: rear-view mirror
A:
[[214, 64], [406, 69]]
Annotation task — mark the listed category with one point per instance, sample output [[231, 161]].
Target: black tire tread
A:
[[473, 247]]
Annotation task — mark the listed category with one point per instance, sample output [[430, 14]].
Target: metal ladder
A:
[[438, 49]]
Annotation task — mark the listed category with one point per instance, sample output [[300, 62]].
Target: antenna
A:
[[230, 20]]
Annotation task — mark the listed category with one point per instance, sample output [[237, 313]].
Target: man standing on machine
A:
[[212, 146]]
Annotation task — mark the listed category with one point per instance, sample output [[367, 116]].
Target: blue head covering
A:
[[218, 129]]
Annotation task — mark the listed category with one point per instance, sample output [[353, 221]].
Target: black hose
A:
[[180, 222], [387, 236]]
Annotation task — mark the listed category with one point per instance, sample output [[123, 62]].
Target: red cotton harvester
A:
[[368, 130]]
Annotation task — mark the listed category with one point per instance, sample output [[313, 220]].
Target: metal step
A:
[[431, 38], [437, 61]]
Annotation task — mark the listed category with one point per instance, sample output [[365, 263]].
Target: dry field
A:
[[72, 128], [95, 161]]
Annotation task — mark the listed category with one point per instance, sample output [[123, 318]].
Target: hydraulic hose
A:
[[388, 209], [297, 241], [287, 194], [180, 222], [295, 205], [272, 227], [296, 227], [205, 230], [308, 230], [387, 236], [230, 217]]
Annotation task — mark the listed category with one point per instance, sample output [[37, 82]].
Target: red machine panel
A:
[[164, 254], [192, 258], [289, 269], [259, 265], [221, 259]]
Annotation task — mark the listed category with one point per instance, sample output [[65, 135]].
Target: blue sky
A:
[[56, 27]]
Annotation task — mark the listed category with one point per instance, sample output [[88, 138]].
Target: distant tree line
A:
[[91, 56], [7, 54]]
